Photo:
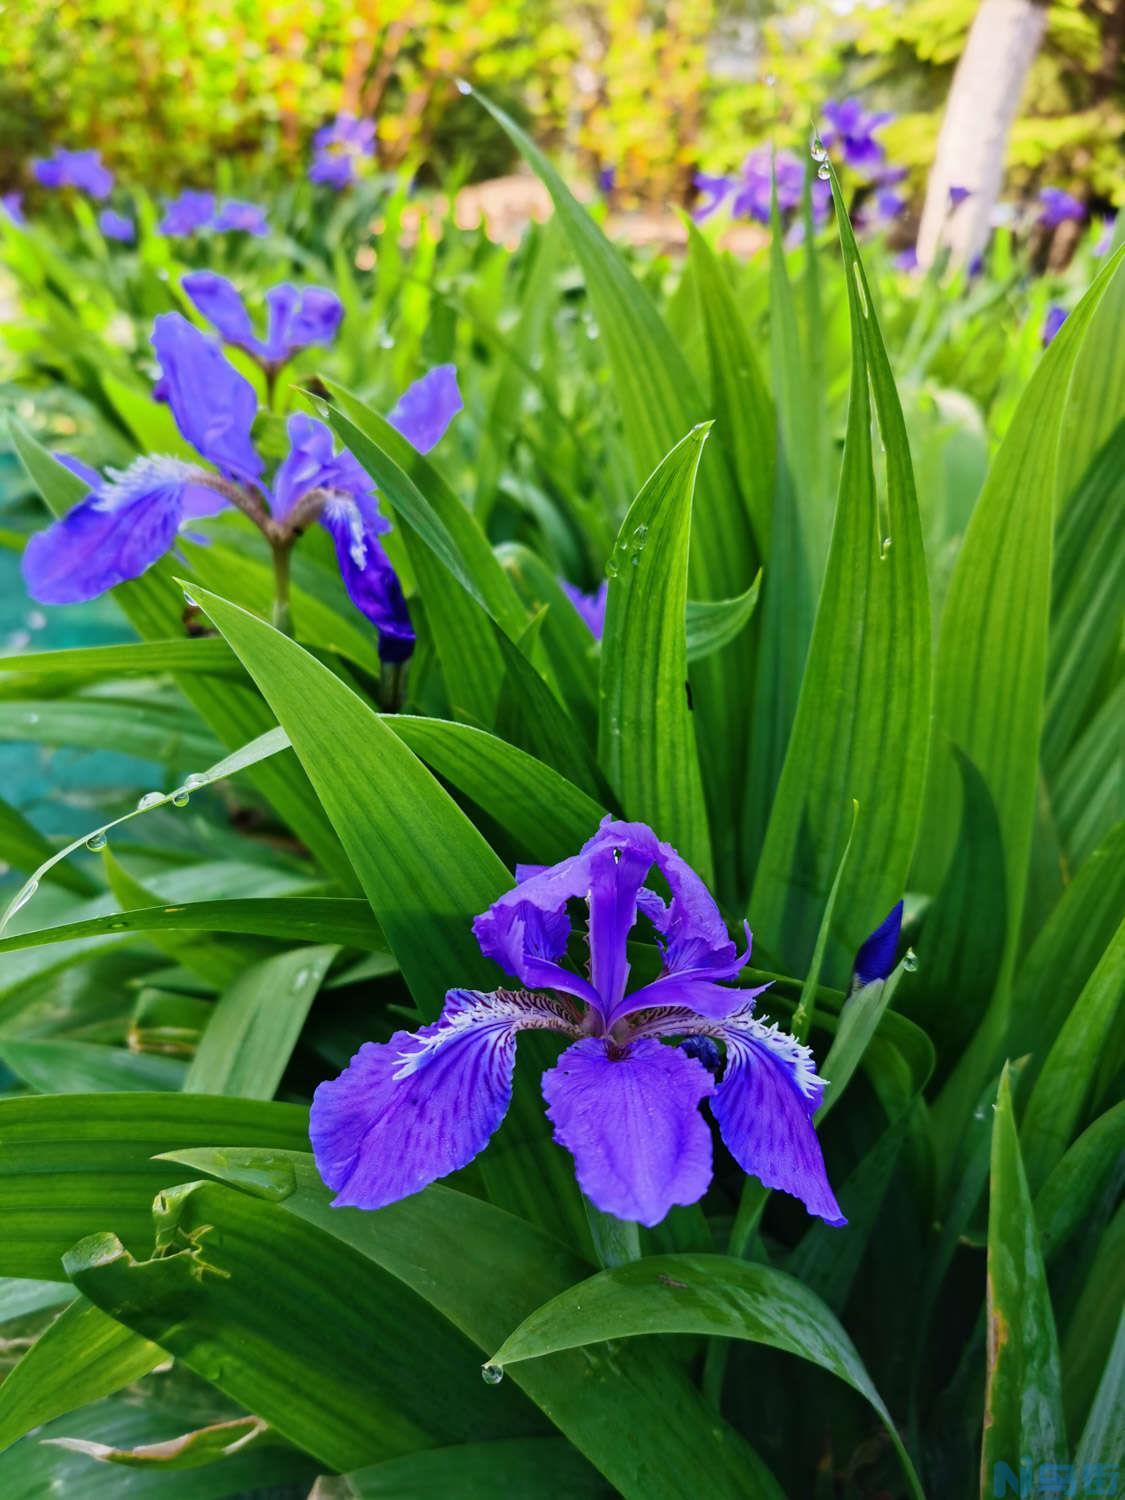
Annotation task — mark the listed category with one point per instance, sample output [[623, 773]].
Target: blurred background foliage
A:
[[651, 88]]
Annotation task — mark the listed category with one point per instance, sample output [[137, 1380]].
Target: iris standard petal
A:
[[113, 535], [406, 1112], [632, 1123], [764, 1107], [219, 302], [423, 411], [303, 468], [300, 318], [213, 405]]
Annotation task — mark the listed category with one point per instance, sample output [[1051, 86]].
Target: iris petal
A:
[[764, 1107], [406, 1112], [219, 302], [633, 1126], [213, 405], [423, 411]]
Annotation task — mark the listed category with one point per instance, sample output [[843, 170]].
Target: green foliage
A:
[[698, 433]]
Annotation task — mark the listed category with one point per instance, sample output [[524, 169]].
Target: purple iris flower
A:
[[747, 192], [408, 1111], [889, 203], [11, 204], [607, 180], [117, 226], [876, 957], [187, 213], [957, 196], [334, 169], [124, 526], [852, 128], [347, 132], [296, 317], [83, 170], [591, 607], [907, 260], [237, 216], [1057, 206], [1056, 317]]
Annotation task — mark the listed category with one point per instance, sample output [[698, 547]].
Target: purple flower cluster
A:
[[850, 130], [129, 520], [338, 146], [115, 226], [746, 193], [194, 212], [82, 170], [622, 1102]]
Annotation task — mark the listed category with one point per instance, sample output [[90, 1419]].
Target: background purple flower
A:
[[746, 193], [591, 607], [333, 169], [296, 317], [349, 132], [237, 216], [851, 129], [1056, 317], [187, 213], [83, 170], [117, 226], [12, 205], [626, 1106], [957, 196], [1057, 206]]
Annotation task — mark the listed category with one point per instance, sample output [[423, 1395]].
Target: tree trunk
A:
[[983, 100]]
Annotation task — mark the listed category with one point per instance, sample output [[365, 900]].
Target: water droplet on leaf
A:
[[21, 898], [181, 797], [910, 961], [492, 1374], [96, 841], [193, 781], [150, 799]]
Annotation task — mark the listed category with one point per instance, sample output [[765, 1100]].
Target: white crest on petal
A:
[[466, 1010], [154, 471], [339, 506], [796, 1057]]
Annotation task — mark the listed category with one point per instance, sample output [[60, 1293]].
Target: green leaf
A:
[[515, 1266], [57, 1066], [1067, 1075], [83, 1356], [76, 1163], [24, 847], [862, 720], [336, 919], [991, 661], [1103, 1441], [700, 1294], [525, 1469], [296, 1327], [138, 659], [547, 814], [1090, 1331], [571, 649], [646, 735], [1065, 1202], [1023, 1398], [715, 623], [59, 488], [744, 417], [251, 1035]]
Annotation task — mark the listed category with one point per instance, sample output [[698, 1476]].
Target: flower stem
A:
[[392, 680], [616, 1241], [282, 618]]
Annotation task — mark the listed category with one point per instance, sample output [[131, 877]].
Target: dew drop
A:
[[150, 799], [910, 961], [193, 782], [117, 923], [884, 547], [463, 87], [96, 841], [611, 569], [492, 1374], [816, 148], [822, 172], [181, 797]]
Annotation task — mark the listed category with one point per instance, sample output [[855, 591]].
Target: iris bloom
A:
[[296, 318], [591, 607], [626, 1106], [83, 170], [115, 226], [187, 213], [11, 204], [131, 519], [237, 216], [337, 147], [1057, 206], [851, 128], [876, 957]]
